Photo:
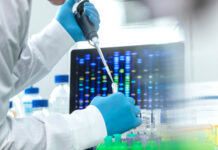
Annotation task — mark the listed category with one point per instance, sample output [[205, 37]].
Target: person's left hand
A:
[[67, 19], [119, 112]]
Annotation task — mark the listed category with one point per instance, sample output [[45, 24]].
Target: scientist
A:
[[24, 62]]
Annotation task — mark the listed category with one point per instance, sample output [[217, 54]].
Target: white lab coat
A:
[[22, 64]]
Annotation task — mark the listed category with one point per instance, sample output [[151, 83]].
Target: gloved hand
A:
[[66, 18], [119, 112]]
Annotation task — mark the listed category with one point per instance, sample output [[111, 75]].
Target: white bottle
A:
[[59, 98], [40, 107], [30, 94], [11, 111], [18, 107]]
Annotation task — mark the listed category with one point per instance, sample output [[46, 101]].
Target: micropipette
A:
[[91, 35], [96, 45]]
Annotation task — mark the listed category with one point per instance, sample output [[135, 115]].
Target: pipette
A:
[[91, 35], [95, 42]]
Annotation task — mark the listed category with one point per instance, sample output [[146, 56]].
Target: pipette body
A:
[[91, 35]]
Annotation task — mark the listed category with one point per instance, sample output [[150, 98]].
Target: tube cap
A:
[[117, 138], [131, 135], [32, 90], [108, 141], [39, 103], [61, 79], [11, 104]]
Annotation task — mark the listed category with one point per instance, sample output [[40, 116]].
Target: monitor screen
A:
[[147, 73]]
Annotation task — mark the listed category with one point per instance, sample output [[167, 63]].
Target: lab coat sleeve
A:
[[80, 130], [41, 53]]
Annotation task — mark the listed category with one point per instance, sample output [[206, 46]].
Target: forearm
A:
[[41, 53], [80, 130]]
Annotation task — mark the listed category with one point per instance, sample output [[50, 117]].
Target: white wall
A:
[[202, 45], [111, 33]]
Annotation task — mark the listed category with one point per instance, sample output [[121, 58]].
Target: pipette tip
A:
[[114, 87]]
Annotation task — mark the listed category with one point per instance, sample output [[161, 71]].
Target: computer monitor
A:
[[147, 73]]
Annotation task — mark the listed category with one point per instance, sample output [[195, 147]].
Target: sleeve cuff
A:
[[97, 123], [78, 131], [61, 34], [94, 128]]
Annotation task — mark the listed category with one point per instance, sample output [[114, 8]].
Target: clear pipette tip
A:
[[114, 87], [96, 45]]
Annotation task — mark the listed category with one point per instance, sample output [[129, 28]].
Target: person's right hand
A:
[[119, 112], [68, 21]]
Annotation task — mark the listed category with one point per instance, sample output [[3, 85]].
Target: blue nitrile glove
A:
[[66, 18], [119, 112]]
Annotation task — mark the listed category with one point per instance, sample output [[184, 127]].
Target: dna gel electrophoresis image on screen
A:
[[146, 73]]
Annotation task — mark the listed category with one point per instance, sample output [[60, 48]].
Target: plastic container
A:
[[142, 138], [11, 111], [117, 138], [40, 107], [30, 94], [18, 106], [59, 98], [108, 143], [130, 138]]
